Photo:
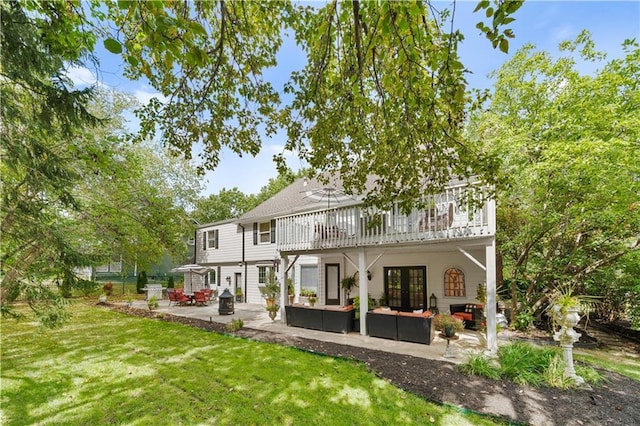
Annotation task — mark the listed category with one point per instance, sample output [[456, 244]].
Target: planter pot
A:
[[272, 315], [449, 331], [102, 298]]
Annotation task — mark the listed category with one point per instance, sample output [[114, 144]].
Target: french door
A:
[[406, 287]]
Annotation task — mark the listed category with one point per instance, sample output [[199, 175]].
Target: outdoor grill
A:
[[153, 290], [225, 303]]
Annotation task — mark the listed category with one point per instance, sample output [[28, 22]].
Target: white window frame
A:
[[263, 273], [264, 234]]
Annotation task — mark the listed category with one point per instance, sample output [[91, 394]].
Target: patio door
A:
[[332, 283], [406, 287]]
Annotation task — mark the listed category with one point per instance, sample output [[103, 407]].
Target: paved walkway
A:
[[255, 316]]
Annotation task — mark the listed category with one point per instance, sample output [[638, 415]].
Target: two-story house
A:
[[316, 238]]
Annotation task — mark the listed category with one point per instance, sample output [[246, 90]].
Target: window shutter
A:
[[216, 237], [273, 231], [255, 233], [204, 240]]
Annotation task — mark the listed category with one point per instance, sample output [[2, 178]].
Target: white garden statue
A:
[[567, 317]]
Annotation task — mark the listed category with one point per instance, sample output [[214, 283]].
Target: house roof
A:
[[299, 197]]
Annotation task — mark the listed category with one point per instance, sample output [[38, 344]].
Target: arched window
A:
[[454, 283]]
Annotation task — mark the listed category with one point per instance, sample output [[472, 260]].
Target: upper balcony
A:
[[452, 216]]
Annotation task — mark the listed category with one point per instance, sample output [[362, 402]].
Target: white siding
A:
[[435, 262]]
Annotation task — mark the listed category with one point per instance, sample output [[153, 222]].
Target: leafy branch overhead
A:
[[382, 93]]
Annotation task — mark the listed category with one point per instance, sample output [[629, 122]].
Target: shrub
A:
[[87, 287], [170, 282], [108, 288], [234, 325], [441, 321], [141, 282], [523, 321], [480, 365]]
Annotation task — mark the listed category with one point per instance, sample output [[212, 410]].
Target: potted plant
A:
[[270, 292], [291, 290], [448, 324], [152, 303], [238, 294], [347, 284], [312, 299], [129, 301]]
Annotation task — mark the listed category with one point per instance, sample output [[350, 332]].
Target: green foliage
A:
[[567, 143], [480, 365], [525, 364], [530, 365], [170, 282], [356, 305], [152, 303], [87, 287], [441, 321], [141, 282], [234, 325], [523, 320], [383, 78], [271, 289]]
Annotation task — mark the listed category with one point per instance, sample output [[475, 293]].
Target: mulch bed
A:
[[617, 402]]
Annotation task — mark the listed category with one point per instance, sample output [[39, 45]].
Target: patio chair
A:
[[180, 298], [200, 298]]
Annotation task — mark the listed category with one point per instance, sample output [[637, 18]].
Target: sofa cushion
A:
[[410, 314], [385, 311], [463, 316], [469, 308], [339, 308]]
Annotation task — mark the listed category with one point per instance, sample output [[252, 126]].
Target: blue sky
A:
[[542, 23]]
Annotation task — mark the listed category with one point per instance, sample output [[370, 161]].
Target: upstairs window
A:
[[210, 239], [264, 232], [454, 285]]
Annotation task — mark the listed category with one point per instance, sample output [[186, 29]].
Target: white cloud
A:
[[81, 76], [145, 94]]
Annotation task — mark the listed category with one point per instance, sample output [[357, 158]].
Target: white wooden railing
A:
[[451, 216]]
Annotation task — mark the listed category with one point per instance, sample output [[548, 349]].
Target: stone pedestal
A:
[[567, 336]]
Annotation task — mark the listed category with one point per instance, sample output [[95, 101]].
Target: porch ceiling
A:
[[405, 247]]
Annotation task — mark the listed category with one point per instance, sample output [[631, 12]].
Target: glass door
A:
[[332, 283], [406, 287]]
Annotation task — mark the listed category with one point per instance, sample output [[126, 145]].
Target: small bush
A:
[[523, 321], [234, 325], [141, 282], [108, 288], [480, 365], [526, 364], [170, 282], [87, 287]]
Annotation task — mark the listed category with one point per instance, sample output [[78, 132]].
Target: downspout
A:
[[245, 265]]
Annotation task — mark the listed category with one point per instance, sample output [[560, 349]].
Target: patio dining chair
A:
[[201, 298]]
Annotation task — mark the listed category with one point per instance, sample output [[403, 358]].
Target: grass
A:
[[626, 364], [524, 363], [109, 368]]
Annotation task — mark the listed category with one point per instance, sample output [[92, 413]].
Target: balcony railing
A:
[[453, 215]]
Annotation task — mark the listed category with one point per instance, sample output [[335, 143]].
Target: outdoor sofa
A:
[[413, 327], [335, 319], [470, 313]]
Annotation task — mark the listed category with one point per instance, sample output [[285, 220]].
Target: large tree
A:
[[568, 208], [383, 91], [75, 192]]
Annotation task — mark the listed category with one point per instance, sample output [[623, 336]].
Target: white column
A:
[[284, 265], [363, 284], [490, 260]]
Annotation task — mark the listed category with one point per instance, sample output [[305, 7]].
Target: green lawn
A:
[[110, 368]]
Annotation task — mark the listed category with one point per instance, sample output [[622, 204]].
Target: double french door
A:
[[406, 287]]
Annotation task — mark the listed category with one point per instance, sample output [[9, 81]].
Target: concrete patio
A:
[[255, 316]]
